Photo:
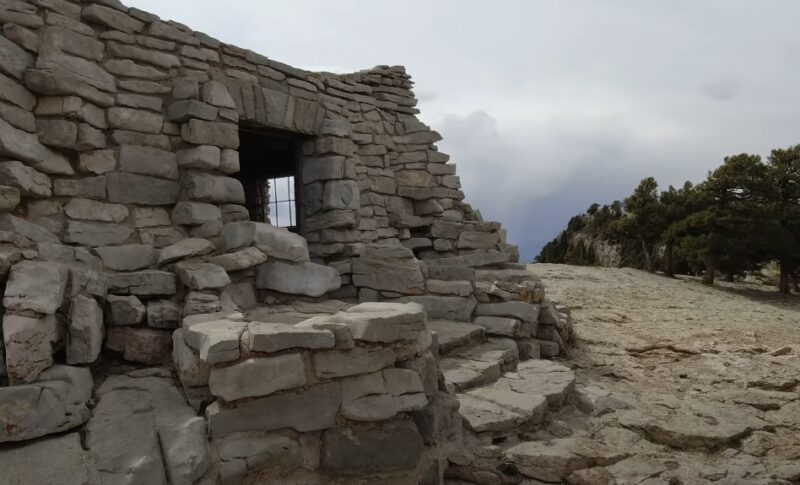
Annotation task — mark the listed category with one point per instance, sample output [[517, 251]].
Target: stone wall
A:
[[123, 235]]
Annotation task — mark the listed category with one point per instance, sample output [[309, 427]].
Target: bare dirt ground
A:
[[694, 384]]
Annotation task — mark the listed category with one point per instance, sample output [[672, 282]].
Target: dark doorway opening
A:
[[269, 171]]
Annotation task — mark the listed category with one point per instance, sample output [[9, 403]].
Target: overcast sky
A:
[[548, 106]]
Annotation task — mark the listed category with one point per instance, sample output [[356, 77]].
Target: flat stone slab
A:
[[454, 335], [59, 460], [554, 460], [491, 409], [480, 365], [554, 381]]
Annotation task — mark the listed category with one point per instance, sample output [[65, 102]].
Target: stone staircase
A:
[[503, 401]]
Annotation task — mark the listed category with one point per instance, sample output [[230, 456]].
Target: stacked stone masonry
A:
[[124, 239]]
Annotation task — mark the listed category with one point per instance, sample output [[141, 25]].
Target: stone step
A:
[[519, 400], [480, 365], [455, 335]]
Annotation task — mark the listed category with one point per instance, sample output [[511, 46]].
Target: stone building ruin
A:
[[158, 328]]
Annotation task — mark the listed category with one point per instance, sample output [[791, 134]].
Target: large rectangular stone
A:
[[135, 120], [199, 132], [212, 188], [148, 161], [257, 376], [96, 233], [141, 283], [342, 363], [311, 410], [128, 188]]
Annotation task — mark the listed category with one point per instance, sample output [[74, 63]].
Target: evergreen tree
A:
[[644, 219], [677, 204], [784, 205]]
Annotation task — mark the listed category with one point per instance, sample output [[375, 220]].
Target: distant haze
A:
[[548, 106]]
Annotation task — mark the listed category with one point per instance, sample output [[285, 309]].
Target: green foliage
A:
[[743, 215]]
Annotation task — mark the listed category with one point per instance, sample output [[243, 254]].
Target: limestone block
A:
[[204, 157], [389, 268], [515, 309], [274, 337], [85, 332], [324, 168], [445, 307], [9, 198], [212, 188], [148, 161], [56, 80], [97, 162], [135, 120], [57, 133], [72, 107], [91, 210], [342, 363], [163, 314], [449, 269], [30, 182], [481, 258], [341, 194], [185, 450], [16, 94], [37, 287], [199, 303], [341, 331], [161, 237], [195, 213], [506, 327], [130, 257], [29, 346], [380, 448], [207, 230], [109, 17], [124, 310], [14, 59], [192, 371], [156, 58], [216, 341], [89, 138], [128, 188], [24, 146], [477, 240], [239, 260], [305, 278], [55, 402], [229, 161], [248, 453], [147, 346], [140, 101], [234, 213], [215, 93], [260, 376], [199, 132], [309, 410], [186, 248], [142, 283], [275, 242], [89, 233], [456, 288], [186, 109], [150, 216], [66, 460], [202, 276], [89, 187]]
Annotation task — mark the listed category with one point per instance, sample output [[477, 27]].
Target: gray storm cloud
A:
[[549, 106]]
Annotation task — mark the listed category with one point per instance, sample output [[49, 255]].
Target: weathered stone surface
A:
[[13, 59], [197, 302], [89, 233], [9, 198], [30, 182], [26, 229], [239, 260], [383, 322], [148, 161], [192, 371], [109, 17], [142, 283], [124, 310], [212, 188], [386, 447], [305, 278], [324, 168], [310, 410], [163, 314], [186, 109], [456, 288], [445, 307], [343, 363], [274, 337], [148, 56], [85, 332], [217, 94], [57, 133], [199, 132], [56, 80], [195, 213], [507, 327], [341, 194], [186, 248], [554, 460], [55, 402], [72, 107], [91, 210], [204, 157], [66, 460], [150, 217], [389, 268], [516, 309], [143, 431], [37, 287], [259, 376], [229, 161], [147, 346], [16, 94], [128, 188], [275, 242], [89, 188], [130, 257], [202, 276], [216, 341], [29, 346], [380, 396], [25, 146], [161, 237], [135, 120]]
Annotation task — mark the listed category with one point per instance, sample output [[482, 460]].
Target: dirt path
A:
[[698, 384]]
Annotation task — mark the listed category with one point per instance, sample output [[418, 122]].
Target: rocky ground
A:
[[675, 383]]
